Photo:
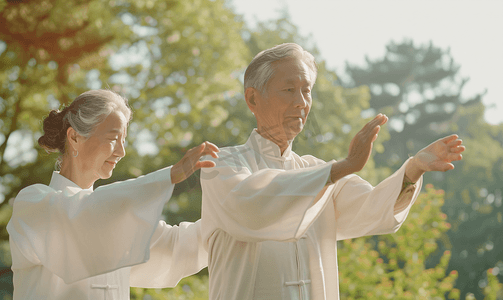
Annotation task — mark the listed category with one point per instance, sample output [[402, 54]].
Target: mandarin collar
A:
[[267, 147], [60, 182]]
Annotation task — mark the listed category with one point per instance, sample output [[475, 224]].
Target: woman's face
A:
[[99, 154]]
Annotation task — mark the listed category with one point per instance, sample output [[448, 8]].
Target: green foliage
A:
[[180, 64], [494, 289], [474, 200], [419, 88], [393, 266]]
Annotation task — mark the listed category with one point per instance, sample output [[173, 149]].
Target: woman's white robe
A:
[[256, 199], [70, 243]]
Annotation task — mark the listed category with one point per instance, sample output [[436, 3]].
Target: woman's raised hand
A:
[[191, 163]]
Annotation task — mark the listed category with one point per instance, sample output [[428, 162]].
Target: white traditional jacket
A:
[[70, 243], [271, 222]]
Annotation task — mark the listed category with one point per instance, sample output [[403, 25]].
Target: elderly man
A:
[[271, 218]]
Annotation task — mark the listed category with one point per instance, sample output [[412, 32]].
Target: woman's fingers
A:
[[212, 146], [205, 164]]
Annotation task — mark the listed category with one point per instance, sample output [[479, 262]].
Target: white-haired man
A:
[[271, 218]]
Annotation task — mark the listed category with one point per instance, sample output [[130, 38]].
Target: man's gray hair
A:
[[260, 70]]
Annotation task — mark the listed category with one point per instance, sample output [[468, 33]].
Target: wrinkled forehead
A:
[[293, 69]]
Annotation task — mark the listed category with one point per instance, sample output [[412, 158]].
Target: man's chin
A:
[[293, 132]]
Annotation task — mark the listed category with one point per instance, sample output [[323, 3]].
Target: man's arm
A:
[[438, 156], [267, 204], [360, 149]]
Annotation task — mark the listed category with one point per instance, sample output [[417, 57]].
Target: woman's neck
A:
[[70, 170]]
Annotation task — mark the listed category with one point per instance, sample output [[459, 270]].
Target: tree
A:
[[474, 199], [420, 89], [150, 51], [393, 266]]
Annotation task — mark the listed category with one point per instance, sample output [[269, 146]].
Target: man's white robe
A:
[[256, 199], [70, 243]]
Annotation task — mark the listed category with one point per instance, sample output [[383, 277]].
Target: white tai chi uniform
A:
[[266, 236], [70, 243]]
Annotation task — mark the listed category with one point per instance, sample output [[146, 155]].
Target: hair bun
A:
[[54, 136]]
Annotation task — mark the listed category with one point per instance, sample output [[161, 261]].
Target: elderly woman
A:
[[70, 242]]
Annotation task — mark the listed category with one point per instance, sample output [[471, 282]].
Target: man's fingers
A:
[[454, 156], [441, 166], [457, 149], [454, 143], [373, 133], [379, 120], [449, 138]]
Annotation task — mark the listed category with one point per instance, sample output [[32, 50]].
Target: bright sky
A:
[[349, 30]]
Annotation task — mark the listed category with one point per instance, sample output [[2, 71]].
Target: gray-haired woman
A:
[[70, 242]]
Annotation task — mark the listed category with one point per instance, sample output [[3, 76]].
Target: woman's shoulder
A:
[[34, 191]]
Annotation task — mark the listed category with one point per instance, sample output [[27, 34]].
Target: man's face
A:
[[283, 109]]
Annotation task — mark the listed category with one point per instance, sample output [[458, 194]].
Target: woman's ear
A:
[[72, 136]]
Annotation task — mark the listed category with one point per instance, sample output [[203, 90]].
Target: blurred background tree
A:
[[181, 65], [393, 266], [420, 89]]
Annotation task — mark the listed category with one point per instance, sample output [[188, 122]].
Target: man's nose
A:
[[300, 100]]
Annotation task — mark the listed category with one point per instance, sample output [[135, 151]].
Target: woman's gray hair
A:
[[260, 70], [93, 107], [84, 114]]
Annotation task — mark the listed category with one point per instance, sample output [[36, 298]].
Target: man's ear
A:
[[251, 98]]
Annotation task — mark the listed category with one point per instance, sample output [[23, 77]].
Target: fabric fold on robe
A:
[[255, 195], [175, 252], [68, 242]]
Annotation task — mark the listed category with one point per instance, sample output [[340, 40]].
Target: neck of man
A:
[[279, 139], [70, 170]]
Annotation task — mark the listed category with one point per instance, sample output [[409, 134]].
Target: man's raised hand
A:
[[190, 161], [437, 156], [360, 147]]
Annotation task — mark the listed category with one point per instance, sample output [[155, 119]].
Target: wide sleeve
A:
[[175, 252], [362, 210], [267, 204], [78, 234]]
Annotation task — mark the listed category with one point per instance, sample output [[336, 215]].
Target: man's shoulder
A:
[[230, 154]]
